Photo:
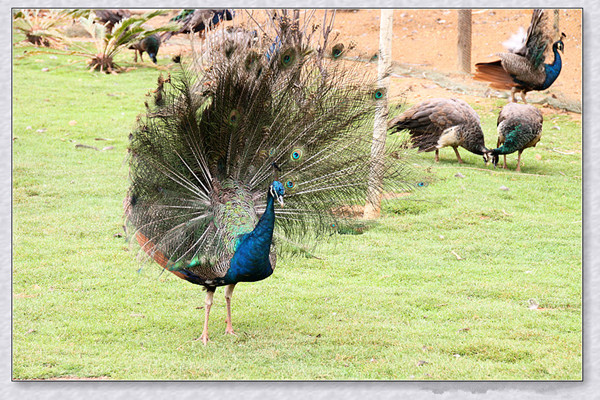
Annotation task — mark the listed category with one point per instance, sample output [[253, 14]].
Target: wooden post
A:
[[375, 181], [464, 40]]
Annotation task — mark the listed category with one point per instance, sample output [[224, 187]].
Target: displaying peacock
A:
[[220, 148], [198, 20], [437, 123], [522, 69], [519, 127], [150, 45]]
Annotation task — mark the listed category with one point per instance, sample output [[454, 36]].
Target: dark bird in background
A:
[[150, 45], [437, 123], [198, 20], [220, 147], [519, 127], [109, 18], [522, 69]]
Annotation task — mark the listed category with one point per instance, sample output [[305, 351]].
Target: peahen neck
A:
[[251, 259], [552, 70]]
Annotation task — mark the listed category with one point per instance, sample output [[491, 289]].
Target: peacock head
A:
[[559, 45], [486, 157], [276, 190]]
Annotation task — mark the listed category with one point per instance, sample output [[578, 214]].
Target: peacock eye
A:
[[337, 50], [296, 154], [234, 117], [287, 58]]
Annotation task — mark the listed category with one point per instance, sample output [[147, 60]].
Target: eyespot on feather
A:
[[287, 58], [297, 154], [234, 118], [337, 50], [378, 94]]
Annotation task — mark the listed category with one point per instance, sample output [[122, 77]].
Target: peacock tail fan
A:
[[221, 130]]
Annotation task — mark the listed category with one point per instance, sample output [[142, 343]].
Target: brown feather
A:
[[494, 73]]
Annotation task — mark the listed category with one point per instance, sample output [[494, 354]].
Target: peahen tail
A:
[[227, 130]]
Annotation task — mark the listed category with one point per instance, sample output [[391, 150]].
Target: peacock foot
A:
[[229, 331], [203, 337]]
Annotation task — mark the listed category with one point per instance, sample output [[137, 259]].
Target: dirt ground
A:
[[425, 49]]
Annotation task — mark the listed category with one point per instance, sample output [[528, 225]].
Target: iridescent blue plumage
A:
[[221, 144]]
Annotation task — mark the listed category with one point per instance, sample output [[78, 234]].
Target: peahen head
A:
[[276, 190]]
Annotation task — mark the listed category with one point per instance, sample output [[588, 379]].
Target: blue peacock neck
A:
[[251, 259], [552, 70]]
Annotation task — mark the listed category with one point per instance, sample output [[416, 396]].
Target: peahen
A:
[[437, 123], [220, 147], [522, 69], [519, 127], [150, 45], [198, 20], [110, 17]]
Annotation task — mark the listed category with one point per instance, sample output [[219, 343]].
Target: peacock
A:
[[522, 69], [519, 127], [198, 20], [151, 44], [222, 147], [437, 123]]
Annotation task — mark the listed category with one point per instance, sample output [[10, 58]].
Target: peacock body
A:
[[150, 45], [522, 68], [437, 123], [519, 127], [220, 146]]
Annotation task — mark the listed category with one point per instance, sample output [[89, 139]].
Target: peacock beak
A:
[[280, 200]]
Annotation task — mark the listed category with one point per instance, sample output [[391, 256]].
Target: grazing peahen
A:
[[109, 18], [220, 147], [522, 69], [198, 20], [519, 127], [150, 45], [437, 123]]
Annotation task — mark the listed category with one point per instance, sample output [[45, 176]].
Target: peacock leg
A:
[[458, 155], [437, 155], [523, 94], [207, 302], [504, 166], [519, 161], [513, 91], [228, 293]]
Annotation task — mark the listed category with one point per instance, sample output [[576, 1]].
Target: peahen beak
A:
[[280, 200]]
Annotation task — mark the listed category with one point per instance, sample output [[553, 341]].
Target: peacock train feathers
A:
[[522, 68], [220, 146]]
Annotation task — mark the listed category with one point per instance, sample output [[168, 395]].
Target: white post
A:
[[374, 190]]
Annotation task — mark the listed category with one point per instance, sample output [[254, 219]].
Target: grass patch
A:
[[393, 302]]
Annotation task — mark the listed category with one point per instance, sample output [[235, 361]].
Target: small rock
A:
[[456, 355], [538, 156], [459, 175], [533, 305], [28, 128], [41, 130], [45, 69], [503, 188], [72, 122], [53, 57], [421, 362]]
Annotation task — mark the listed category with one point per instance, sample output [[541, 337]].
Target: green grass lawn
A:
[[393, 303]]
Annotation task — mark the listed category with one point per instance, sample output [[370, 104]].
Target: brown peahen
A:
[[519, 127], [437, 123], [198, 20], [221, 146], [110, 17], [522, 69], [150, 45]]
